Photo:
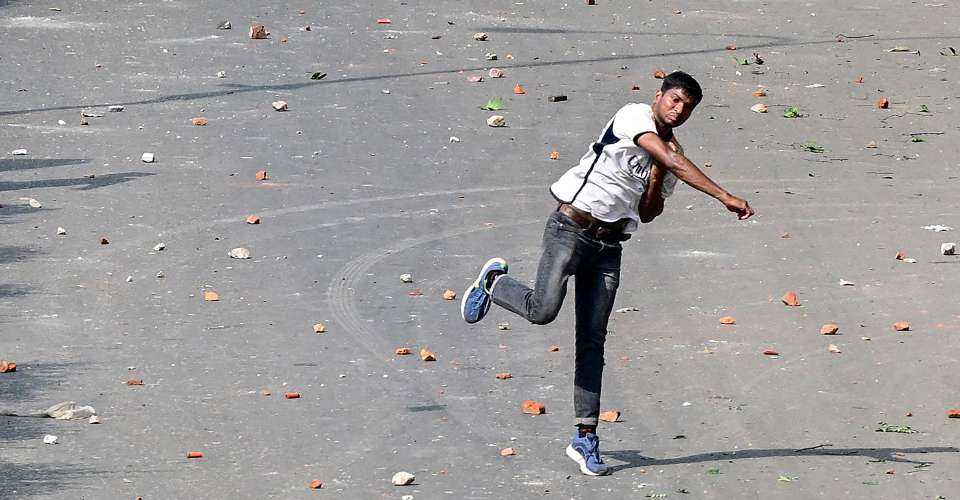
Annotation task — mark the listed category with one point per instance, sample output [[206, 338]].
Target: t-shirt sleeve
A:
[[633, 120]]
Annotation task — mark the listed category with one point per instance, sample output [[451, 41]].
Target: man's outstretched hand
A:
[[738, 206]]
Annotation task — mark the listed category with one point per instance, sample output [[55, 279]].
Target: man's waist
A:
[[587, 221]]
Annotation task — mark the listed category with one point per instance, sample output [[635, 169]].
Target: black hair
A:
[[684, 82]]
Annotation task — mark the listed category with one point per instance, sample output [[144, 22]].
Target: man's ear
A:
[[657, 96]]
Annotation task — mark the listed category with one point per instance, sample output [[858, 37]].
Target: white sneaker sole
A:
[[477, 283], [578, 458]]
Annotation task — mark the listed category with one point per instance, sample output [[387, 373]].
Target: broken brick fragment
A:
[[449, 294], [319, 328], [104, 241], [211, 296], [504, 376], [7, 366], [882, 103], [760, 93], [134, 381], [532, 407], [731, 46], [834, 349], [829, 329], [253, 219], [610, 415], [790, 299], [901, 326], [416, 292], [953, 413], [402, 351], [771, 352], [316, 484], [194, 454], [518, 89], [659, 74], [554, 155], [261, 175], [258, 32], [900, 256], [728, 320], [383, 20], [427, 355], [859, 79], [199, 121], [553, 348], [291, 395], [506, 452]]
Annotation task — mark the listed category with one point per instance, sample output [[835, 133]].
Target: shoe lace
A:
[[594, 450]]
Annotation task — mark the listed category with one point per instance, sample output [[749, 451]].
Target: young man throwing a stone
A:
[[621, 180]]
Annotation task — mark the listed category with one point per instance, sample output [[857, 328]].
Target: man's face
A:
[[673, 107]]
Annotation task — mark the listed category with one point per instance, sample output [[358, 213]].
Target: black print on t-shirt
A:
[[639, 167]]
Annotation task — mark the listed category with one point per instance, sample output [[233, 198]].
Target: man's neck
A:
[[665, 132]]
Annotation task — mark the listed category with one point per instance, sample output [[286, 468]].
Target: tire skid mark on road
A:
[[341, 292]]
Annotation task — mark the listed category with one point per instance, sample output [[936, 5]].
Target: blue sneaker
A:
[[476, 300], [586, 452]]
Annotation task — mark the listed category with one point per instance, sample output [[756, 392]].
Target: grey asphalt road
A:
[[365, 184]]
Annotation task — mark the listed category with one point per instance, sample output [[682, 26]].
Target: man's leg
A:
[[595, 292], [559, 259]]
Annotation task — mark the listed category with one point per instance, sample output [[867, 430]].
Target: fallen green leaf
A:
[[924, 109], [792, 112], [785, 479], [713, 471], [812, 147], [319, 75], [902, 429], [493, 104], [741, 62], [917, 138]]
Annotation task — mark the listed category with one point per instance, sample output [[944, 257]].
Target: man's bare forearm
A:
[[687, 172]]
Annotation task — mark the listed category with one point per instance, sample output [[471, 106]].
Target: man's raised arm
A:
[[689, 173]]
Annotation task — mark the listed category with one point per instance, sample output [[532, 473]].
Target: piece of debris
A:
[[628, 309], [194, 454], [882, 103], [61, 231], [416, 292], [316, 484], [503, 326], [317, 75], [18, 152], [406, 278], [557, 98], [34, 203], [728, 320], [50, 439], [104, 241], [790, 299], [659, 74], [449, 294], [383, 20], [610, 416], [148, 158], [280, 105], [7, 366], [846, 283], [504, 376], [901, 326], [221, 74], [475, 79], [953, 413], [211, 296], [948, 248], [554, 155], [261, 175], [496, 121], [553, 348], [225, 25], [67, 410], [403, 479], [760, 93], [253, 219], [134, 381], [427, 355], [199, 121], [495, 73], [490, 56], [507, 452], [937, 228], [519, 90], [94, 419], [258, 32], [833, 348], [159, 247], [759, 108], [532, 407], [771, 352], [319, 328], [480, 37], [829, 329], [402, 351], [239, 253], [291, 395], [871, 145], [116, 108]]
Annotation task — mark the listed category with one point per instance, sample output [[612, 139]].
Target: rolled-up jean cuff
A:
[[591, 421]]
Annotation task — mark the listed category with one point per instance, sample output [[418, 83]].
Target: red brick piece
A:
[[504, 376], [7, 366], [790, 299], [194, 454], [532, 407], [901, 326], [316, 484], [291, 395]]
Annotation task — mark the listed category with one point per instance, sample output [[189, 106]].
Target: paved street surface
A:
[[365, 183]]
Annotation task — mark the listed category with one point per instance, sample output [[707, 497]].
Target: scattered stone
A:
[[224, 25], [937, 228], [504, 376], [427, 355], [554, 155], [416, 292], [519, 90], [503, 326], [18, 152], [402, 351], [480, 37], [531, 407], [261, 175], [316, 484], [50, 439], [199, 121], [449, 294], [659, 74], [490, 56], [148, 158], [94, 419], [291, 395], [496, 121], [846, 283], [507, 452], [239, 253], [948, 248], [953, 413], [731, 46], [104, 241], [116, 108], [628, 309], [882, 103], [129, 279], [159, 247], [61, 231], [771, 352], [454, 138], [557, 98], [495, 73], [258, 32], [160, 274], [900, 255], [829, 329], [403, 479], [253, 219], [221, 74], [728, 320], [872, 145], [280, 105], [759, 108], [194, 454], [610, 415], [383, 20], [319, 328], [901, 326], [834, 349], [790, 299], [475, 79], [553, 348], [406, 278], [134, 381], [760, 93], [7, 366], [34, 203], [266, 392], [211, 296]]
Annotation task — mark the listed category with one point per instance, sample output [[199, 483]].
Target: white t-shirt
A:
[[612, 176]]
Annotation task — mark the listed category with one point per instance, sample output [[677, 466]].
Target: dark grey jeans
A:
[[568, 251]]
